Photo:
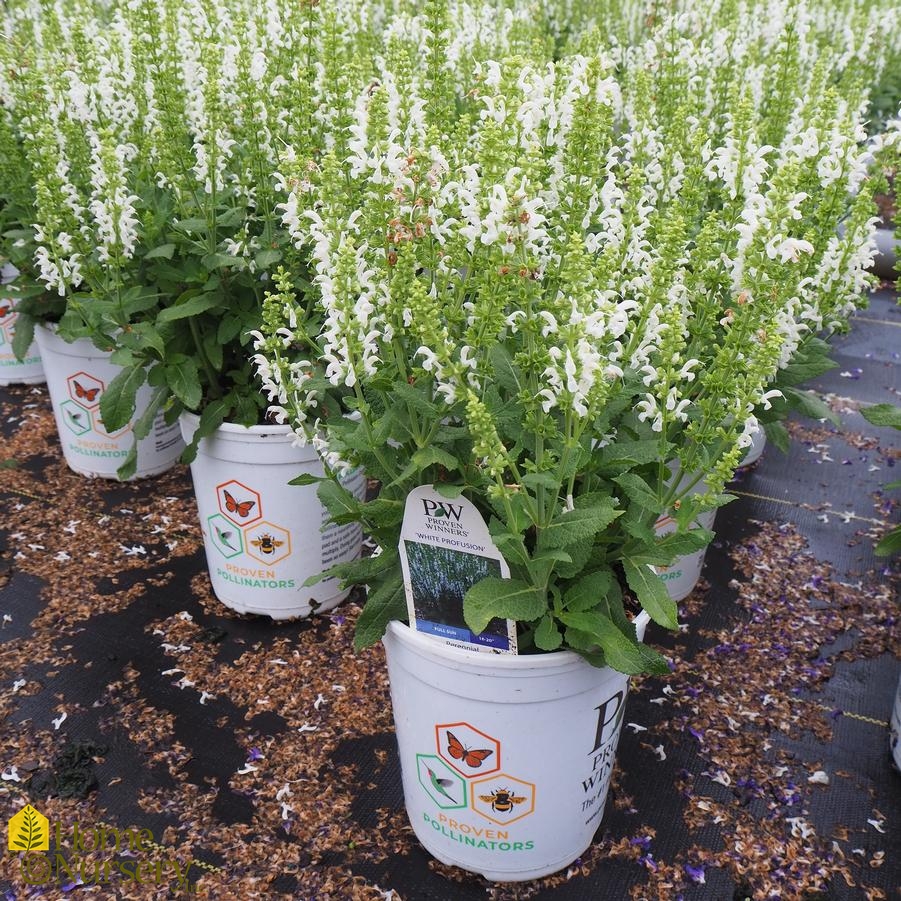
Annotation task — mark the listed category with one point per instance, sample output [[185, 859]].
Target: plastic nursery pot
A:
[[506, 760], [895, 729], [755, 451], [13, 372], [681, 576], [77, 375], [263, 538], [888, 249]]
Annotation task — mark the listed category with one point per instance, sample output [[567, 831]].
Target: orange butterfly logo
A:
[[89, 394], [242, 509], [472, 758]]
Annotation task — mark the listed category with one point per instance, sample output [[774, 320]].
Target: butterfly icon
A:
[[88, 394], [472, 758], [242, 509]]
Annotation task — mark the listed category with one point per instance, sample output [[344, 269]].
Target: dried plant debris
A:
[[262, 754]]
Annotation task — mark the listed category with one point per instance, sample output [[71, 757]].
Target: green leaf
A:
[[144, 337], [547, 635], [9, 463], [144, 423], [543, 563], [214, 261], [161, 250], [805, 367], [191, 303], [576, 525], [183, 378], [342, 506], [230, 326], [638, 491], [448, 490], [622, 653], [193, 226], [212, 416], [384, 604], [435, 456], [887, 415], [629, 453], [808, 404], [416, 398], [130, 464], [506, 373], [306, 478], [364, 571], [23, 335], [503, 598], [117, 403], [678, 544], [509, 544], [382, 513], [231, 217], [890, 543], [651, 594], [423, 459], [588, 591], [534, 480], [777, 434], [266, 258]]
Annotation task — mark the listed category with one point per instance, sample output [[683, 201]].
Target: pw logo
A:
[[442, 510], [28, 830]]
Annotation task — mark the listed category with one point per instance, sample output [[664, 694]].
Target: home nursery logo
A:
[[28, 830], [114, 854]]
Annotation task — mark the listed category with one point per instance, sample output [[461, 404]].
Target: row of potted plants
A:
[[543, 285], [145, 141]]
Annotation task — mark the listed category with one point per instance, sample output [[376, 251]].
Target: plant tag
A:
[[445, 548]]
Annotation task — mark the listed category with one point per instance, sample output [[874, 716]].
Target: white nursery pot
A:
[[895, 728], [12, 372], [758, 443], [263, 537], [77, 374], [681, 576], [549, 723]]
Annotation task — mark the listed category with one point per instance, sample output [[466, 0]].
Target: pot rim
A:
[[229, 429], [518, 663], [80, 347]]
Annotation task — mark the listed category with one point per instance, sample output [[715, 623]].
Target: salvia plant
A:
[[567, 298], [151, 133]]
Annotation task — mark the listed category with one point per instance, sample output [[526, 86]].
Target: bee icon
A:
[[266, 543], [502, 800]]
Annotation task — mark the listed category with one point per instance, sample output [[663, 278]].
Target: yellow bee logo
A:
[[502, 800], [266, 543]]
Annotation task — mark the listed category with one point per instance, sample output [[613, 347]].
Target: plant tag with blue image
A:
[[445, 548]]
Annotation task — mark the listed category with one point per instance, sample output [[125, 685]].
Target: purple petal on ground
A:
[[696, 874]]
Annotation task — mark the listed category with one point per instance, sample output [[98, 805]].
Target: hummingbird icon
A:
[[440, 785], [224, 536]]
